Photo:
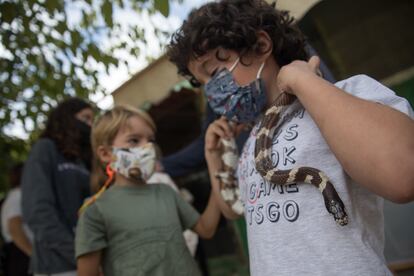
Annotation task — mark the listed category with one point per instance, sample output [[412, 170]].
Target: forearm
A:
[[210, 218], [22, 242], [39, 206], [374, 143], [18, 235]]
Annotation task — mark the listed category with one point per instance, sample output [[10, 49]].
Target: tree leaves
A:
[[163, 6], [41, 39], [107, 11], [8, 11]]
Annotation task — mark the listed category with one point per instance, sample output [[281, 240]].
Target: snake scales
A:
[[228, 182]]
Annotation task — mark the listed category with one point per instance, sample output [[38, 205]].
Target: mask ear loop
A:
[[260, 70], [234, 64], [259, 73], [111, 175]]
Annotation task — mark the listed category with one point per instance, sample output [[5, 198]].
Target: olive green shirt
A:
[[139, 230]]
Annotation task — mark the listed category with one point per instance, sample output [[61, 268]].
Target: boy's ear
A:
[[104, 154], [265, 44]]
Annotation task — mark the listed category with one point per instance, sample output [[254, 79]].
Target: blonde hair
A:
[[104, 131]]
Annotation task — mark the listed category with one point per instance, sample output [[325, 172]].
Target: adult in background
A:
[[17, 236], [55, 183]]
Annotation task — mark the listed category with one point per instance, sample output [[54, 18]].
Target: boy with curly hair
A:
[[246, 54]]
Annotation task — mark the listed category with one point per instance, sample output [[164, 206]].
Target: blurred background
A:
[[112, 52]]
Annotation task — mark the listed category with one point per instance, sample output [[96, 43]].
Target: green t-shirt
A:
[[139, 229]]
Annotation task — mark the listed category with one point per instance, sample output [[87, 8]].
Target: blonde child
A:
[[133, 228]]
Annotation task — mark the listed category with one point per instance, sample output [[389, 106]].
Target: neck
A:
[[122, 181], [272, 89]]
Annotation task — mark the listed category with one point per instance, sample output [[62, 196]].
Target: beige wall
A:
[[150, 85], [297, 8]]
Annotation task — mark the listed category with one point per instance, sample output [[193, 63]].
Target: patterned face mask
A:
[[135, 163], [241, 104]]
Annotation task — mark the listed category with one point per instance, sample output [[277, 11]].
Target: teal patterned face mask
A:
[[241, 104], [135, 163]]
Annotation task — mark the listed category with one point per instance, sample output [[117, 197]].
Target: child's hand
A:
[[218, 129], [298, 70]]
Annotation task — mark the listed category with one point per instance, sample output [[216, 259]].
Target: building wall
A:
[[297, 8], [152, 84]]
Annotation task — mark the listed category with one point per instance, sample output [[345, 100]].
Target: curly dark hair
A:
[[63, 128], [233, 25]]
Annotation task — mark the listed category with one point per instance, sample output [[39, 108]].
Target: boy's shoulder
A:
[[367, 88], [357, 81]]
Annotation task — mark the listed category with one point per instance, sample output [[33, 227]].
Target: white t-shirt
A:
[[12, 208], [290, 232]]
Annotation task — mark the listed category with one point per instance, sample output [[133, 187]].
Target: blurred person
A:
[[55, 183], [129, 227], [16, 234]]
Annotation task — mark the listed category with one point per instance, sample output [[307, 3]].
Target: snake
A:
[[229, 188]]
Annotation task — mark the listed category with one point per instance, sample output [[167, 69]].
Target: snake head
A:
[[338, 211]]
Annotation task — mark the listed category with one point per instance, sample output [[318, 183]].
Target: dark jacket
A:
[[53, 189]]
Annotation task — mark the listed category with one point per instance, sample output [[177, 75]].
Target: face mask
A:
[[134, 163], [84, 130], [241, 104], [85, 142]]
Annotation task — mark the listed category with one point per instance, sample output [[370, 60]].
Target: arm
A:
[[216, 130], [90, 241], [38, 199], [207, 224], [18, 235], [89, 264], [373, 142]]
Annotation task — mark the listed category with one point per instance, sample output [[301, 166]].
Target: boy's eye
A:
[[214, 72], [133, 141]]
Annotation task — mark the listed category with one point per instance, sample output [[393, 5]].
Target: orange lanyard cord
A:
[[92, 199]]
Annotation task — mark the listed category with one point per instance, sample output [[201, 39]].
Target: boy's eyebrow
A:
[[134, 134], [140, 135]]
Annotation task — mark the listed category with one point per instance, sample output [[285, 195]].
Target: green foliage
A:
[[12, 150], [53, 49], [162, 6]]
